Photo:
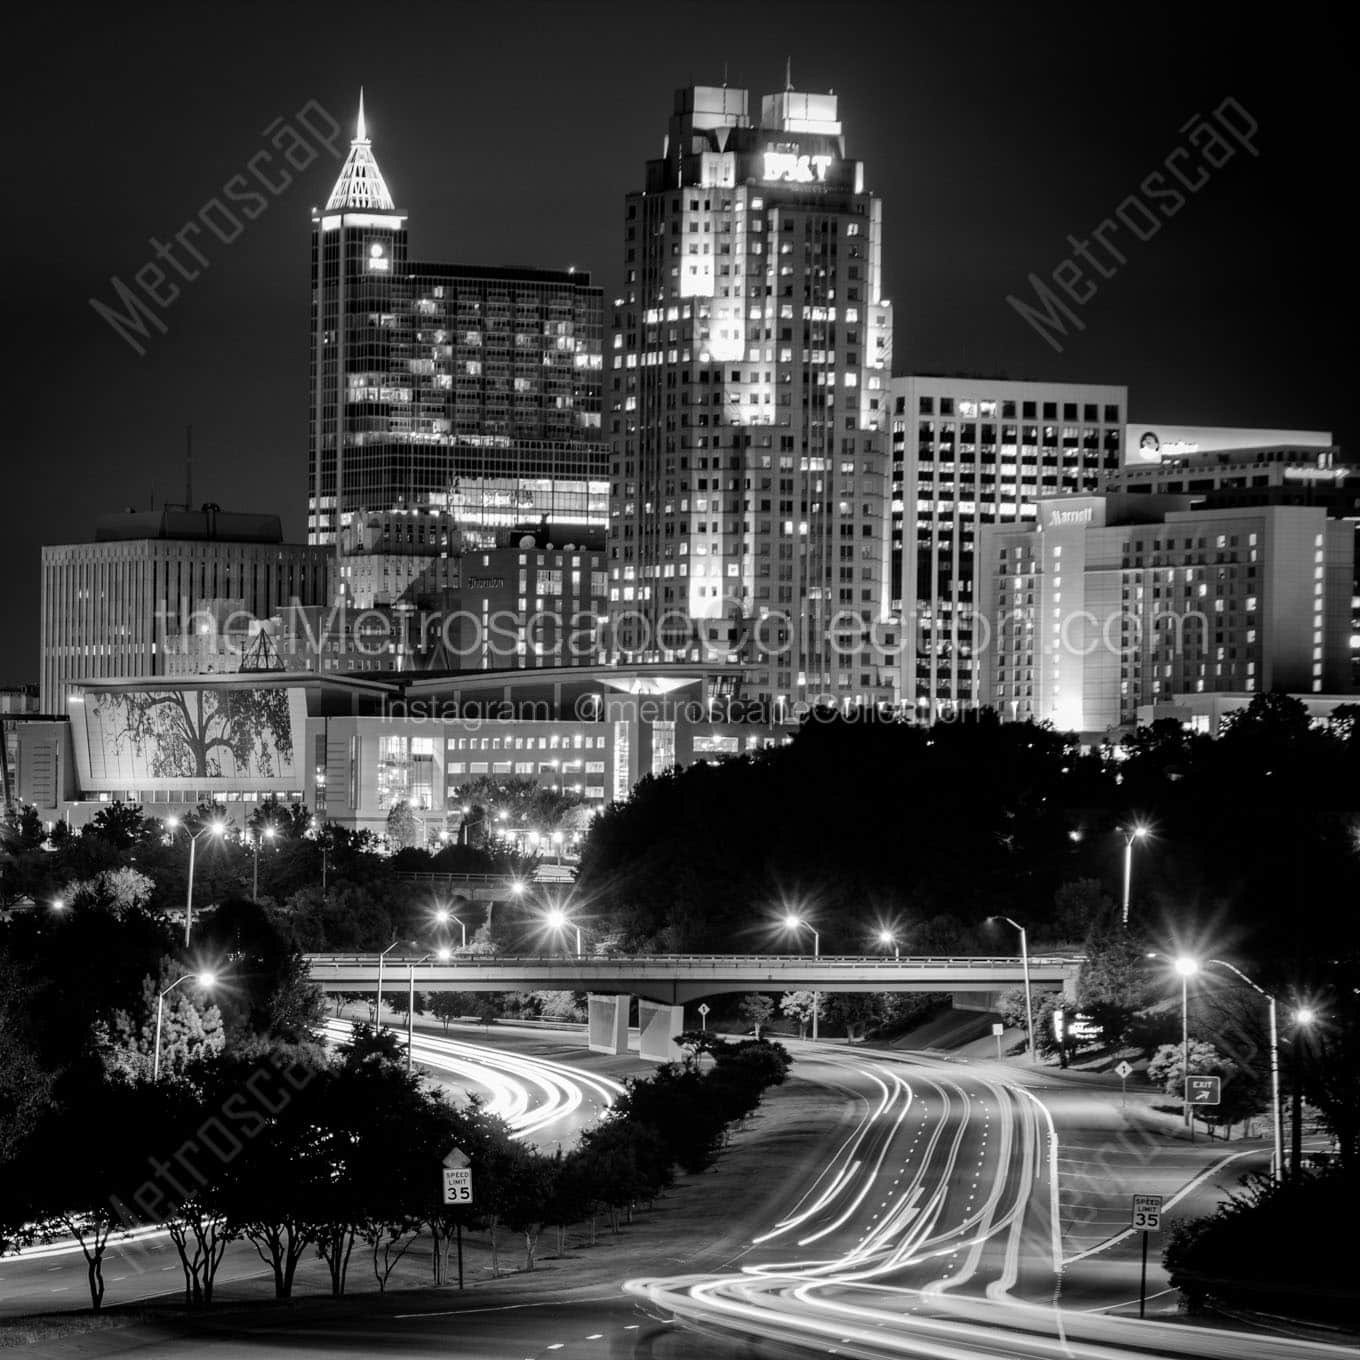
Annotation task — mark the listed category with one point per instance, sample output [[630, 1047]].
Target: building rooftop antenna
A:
[[788, 73]]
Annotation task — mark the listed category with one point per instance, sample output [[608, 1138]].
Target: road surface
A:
[[927, 1228], [932, 1230]]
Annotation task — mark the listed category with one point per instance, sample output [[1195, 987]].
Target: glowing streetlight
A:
[[792, 921], [204, 980], [889, 941], [517, 888], [58, 904], [209, 829], [443, 916], [1137, 832], [558, 920], [1185, 968]]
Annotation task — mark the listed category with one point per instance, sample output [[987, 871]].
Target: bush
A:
[[1261, 1250]]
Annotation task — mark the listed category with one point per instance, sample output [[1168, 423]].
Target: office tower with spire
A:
[[468, 389], [748, 405]]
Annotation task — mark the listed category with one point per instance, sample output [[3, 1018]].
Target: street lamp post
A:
[[1303, 1017], [444, 916], [1277, 1109], [1187, 968], [204, 980], [1029, 994], [377, 1010], [1130, 834], [442, 955], [793, 922], [889, 941], [264, 833], [217, 829]]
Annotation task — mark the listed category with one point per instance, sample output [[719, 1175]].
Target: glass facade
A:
[[469, 388]]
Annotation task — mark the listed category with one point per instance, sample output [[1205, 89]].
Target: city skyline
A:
[[621, 594], [1202, 323]]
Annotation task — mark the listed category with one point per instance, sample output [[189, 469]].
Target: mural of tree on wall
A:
[[203, 733]]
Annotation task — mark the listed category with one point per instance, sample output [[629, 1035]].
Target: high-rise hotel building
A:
[[748, 403], [476, 390], [1103, 605], [968, 452]]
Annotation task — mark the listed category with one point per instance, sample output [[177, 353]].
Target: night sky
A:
[[510, 133]]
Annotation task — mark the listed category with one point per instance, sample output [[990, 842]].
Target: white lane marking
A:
[[1168, 1203]]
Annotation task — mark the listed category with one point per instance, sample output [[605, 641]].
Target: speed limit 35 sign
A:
[[457, 1185], [1147, 1213]]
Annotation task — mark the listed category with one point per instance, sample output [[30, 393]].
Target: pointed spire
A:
[[361, 183], [788, 73]]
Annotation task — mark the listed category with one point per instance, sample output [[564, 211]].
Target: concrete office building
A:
[[472, 389], [747, 396], [1107, 603], [108, 606], [969, 452]]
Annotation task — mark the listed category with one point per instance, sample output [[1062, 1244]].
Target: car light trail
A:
[[528, 1092], [962, 1259]]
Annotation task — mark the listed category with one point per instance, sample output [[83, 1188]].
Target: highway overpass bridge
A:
[[673, 979], [663, 983]]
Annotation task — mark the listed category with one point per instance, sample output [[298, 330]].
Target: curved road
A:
[[543, 1100], [931, 1230]]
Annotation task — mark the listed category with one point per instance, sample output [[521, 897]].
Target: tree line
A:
[[296, 1151]]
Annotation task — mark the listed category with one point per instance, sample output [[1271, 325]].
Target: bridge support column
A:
[[607, 1024], [658, 1028]]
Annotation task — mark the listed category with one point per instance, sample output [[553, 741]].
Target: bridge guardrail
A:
[[789, 961], [430, 876]]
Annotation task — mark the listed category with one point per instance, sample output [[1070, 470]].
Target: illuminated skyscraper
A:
[[971, 451], [748, 403], [469, 388]]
